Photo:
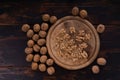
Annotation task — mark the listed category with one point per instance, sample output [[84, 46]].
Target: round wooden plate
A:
[[73, 42]]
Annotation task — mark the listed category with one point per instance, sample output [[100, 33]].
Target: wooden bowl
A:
[[64, 42]]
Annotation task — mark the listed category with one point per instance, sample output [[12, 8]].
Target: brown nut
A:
[[36, 58], [50, 70], [36, 27], [44, 26], [95, 69], [83, 13], [43, 58], [25, 27], [53, 19], [41, 42], [42, 67], [30, 33], [30, 43], [100, 28], [35, 37], [101, 61], [29, 57], [43, 50], [28, 50], [42, 34], [34, 66], [49, 62], [46, 17], [36, 48], [75, 11]]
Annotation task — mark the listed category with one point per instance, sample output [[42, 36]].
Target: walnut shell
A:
[[53, 19], [44, 26], [28, 50], [42, 34], [41, 42], [43, 58], [101, 61], [46, 17], [42, 67], [75, 11], [100, 28], [34, 66], [43, 50], [83, 13], [36, 27], [35, 37], [29, 57], [30, 43], [50, 70], [95, 69], [30, 33], [36, 58], [25, 27], [36, 48], [50, 62]]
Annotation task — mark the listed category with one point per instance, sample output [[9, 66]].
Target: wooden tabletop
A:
[[13, 15]]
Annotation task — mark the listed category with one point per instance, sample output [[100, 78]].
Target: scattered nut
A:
[[42, 67], [101, 61], [28, 50], [100, 28], [41, 42], [36, 58], [34, 66], [36, 27], [36, 48], [95, 69], [35, 37], [43, 50], [75, 11], [46, 17], [30, 33], [25, 27], [29, 57], [44, 26], [83, 13], [50, 70], [42, 34], [43, 58], [49, 62], [53, 19], [30, 43]]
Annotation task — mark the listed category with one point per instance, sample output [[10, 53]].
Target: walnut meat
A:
[[50, 70], [49, 62], [53, 19], [36, 27], [34, 66], [25, 27], [95, 69], [36, 58], [42, 34], [46, 17], [43, 59], [28, 50], [29, 57], [30, 33], [75, 11], [44, 26], [35, 37], [30, 43], [41, 42], [83, 13], [101, 61], [36, 48], [43, 50], [42, 67]]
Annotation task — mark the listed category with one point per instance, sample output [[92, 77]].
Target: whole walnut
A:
[[30, 43], [29, 57], [46, 17], [30, 33], [43, 58], [34, 66], [44, 26], [42, 34], [53, 19], [25, 27], [36, 58], [75, 11], [50, 62], [43, 50], [101, 61], [28, 50], [42, 67], [36, 27], [41, 42], [50, 70], [83, 13], [36, 48], [35, 37], [95, 69]]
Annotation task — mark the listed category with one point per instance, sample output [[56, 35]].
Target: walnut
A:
[[95, 69], [36, 58], [100, 28], [43, 58], [44, 26], [42, 67], [46, 17], [28, 50], [53, 19], [83, 13], [36, 48], [41, 42], [49, 62], [42, 34], [34, 66], [25, 27], [30, 43], [30, 33], [50, 70], [72, 30], [75, 11], [101, 61], [43, 50], [29, 57], [35, 37], [36, 27]]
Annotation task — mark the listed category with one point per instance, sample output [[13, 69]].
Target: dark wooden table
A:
[[13, 41]]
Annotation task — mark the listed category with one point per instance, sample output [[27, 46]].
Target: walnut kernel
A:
[[101, 61]]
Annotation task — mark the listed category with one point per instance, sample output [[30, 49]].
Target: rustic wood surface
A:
[[13, 41]]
